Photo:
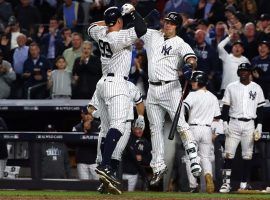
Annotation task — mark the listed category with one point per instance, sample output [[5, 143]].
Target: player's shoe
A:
[[107, 172], [102, 189], [244, 187], [194, 190], [195, 168], [210, 186], [109, 186], [158, 176], [225, 188]]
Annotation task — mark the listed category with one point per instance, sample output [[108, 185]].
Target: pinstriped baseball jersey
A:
[[243, 99], [135, 97], [165, 56], [115, 48], [203, 106]]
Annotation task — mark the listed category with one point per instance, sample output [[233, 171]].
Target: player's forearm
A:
[[139, 25], [260, 115], [140, 109], [225, 112]]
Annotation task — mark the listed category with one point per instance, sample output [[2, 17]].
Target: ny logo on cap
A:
[[172, 16]]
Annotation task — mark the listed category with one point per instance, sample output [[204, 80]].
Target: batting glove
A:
[[127, 8], [187, 71], [226, 128], [258, 132], [139, 123]]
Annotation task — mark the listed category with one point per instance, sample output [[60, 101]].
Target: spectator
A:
[[250, 39], [47, 8], [51, 43], [86, 153], [72, 15], [35, 71], [263, 26], [54, 159], [59, 80], [9, 38], [5, 12], [262, 67], [136, 157], [97, 9], [179, 6], [86, 72], [67, 38], [210, 10], [207, 58], [231, 60], [221, 30], [7, 75], [27, 14], [3, 149], [249, 9], [19, 57], [73, 52]]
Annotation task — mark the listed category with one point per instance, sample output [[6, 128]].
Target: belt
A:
[[159, 83], [200, 125], [242, 119], [112, 74]]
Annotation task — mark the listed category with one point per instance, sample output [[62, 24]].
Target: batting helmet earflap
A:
[[244, 66], [200, 77], [111, 15]]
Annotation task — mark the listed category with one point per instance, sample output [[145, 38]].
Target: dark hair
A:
[[58, 58]]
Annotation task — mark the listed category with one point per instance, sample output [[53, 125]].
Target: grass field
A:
[[68, 195]]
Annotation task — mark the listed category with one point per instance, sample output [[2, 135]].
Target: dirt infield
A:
[[64, 195]]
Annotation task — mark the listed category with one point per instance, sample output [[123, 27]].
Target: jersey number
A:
[[105, 49]]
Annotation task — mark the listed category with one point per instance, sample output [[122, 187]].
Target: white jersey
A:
[[135, 98], [115, 48], [165, 56], [230, 64], [203, 106], [243, 99]]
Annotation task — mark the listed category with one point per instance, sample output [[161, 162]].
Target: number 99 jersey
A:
[[115, 48]]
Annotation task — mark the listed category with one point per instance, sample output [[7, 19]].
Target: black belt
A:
[[200, 125], [112, 74], [242, 119], [159, 83]]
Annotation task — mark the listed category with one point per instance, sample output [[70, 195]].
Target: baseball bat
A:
[[177, 114]]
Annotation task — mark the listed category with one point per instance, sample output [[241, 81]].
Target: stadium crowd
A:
[[46, 53]]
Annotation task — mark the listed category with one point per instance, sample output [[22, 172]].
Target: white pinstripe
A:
[[164, 60], [243, 101], [203, 106]]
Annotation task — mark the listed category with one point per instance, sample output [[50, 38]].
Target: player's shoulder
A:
[[255, 85], [233, 84]]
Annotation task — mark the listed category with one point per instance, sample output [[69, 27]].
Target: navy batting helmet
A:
[[244, 66], [175, 18], [111, 15], [200, 77]]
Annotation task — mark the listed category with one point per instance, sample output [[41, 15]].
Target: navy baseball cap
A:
[[174, 17], [264, 16], [238, 42], [265, 42], [84, 110]]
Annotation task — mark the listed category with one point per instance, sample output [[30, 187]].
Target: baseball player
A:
[[112, 89], [135, 98], [166, 52], [202, 107], [242, 103]]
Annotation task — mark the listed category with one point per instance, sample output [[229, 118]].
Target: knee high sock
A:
[[110, 143]]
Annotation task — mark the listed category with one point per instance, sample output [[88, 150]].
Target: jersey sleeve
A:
[[221, 50], [189, 100], [94, 101], [186, 51], [217, 108], [147, 36], [261, 99], [227, 96]]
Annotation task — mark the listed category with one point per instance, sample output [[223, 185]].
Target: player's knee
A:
[[229, 156]]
